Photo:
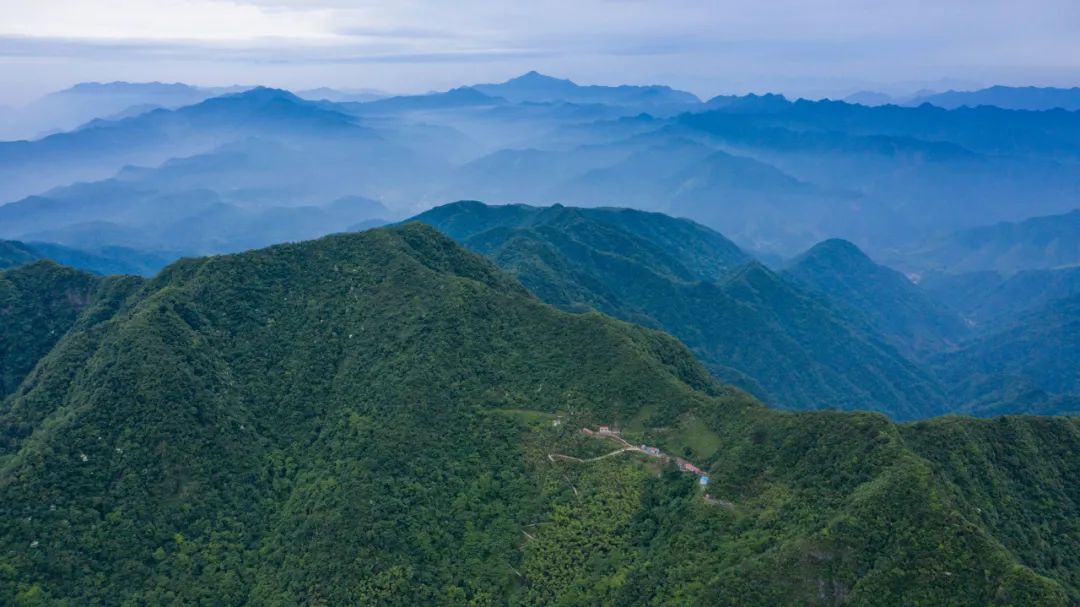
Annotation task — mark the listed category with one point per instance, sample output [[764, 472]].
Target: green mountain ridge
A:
[[1043, 346], [750, 326], [884, 298], [365, 419]]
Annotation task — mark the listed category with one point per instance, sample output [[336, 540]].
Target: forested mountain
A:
[[368, 418], [38, 304], [1043, 346], [882, 297], [749, 325]]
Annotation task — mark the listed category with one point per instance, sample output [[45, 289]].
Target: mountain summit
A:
[[536, 87], [883, 298]]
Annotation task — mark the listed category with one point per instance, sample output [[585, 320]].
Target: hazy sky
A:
[[800, 47]]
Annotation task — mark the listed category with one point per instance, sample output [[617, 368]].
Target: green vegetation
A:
[[751, 327], [38, 304], [880, 297], [365, 419], [14, 253], [1043, 346]]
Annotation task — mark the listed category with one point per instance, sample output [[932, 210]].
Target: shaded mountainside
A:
[[1036, 243], [14, 253], [991, 298], [882, 297], [38, 304], [366, 418], [109, 260], [1042, 346], [752, 327]]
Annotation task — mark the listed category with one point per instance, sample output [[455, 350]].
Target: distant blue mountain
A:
[[537, 87], [109, 260], [462, 97], [101, 147], [870, 98], [71, 107], [1037, 243], [1007, 97]]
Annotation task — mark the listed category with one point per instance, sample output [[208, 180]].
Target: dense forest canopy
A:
[[368, 419]]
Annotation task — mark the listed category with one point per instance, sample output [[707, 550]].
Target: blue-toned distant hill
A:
[[1037, 243], [100, 148], [14, 254], [988, 298], [774, 175], [1007, 97], [71, 107], [150, 211], [537, 87], [463, 97], [108, 260], [1042, 346]]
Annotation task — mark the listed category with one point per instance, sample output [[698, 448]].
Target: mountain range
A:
[[72, 107], [776, 176], [374, 418], [739, 351], [1031, 98], [750, 325], [833, 328]]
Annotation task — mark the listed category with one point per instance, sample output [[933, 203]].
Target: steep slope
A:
[[14, 253], [206, 374], [365, 419], [990, 298], [884, 298], [752, 328], [1042, 346], [38, 304], [812, 357]]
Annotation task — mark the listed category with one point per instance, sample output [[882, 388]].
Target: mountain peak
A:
[[535, 77], [834, 252], [837, 246], [263, 94]]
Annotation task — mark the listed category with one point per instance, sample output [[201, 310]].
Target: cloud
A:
[[707, 46]]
